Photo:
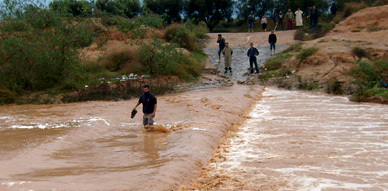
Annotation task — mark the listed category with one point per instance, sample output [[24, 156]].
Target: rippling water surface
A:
[[303, 141]]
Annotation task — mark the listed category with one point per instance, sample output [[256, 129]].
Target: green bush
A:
[[183, 37], [7, 96], [306, 53], [160, 59], [115, 61], [151, 20], [13, 25], [37, 59], [361, 53], [370, 75]]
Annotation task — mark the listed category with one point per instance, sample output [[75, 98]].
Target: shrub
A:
[[158, 59], [299, 34], [361, 53], [40, 59], [182, 36], [117, 60], [200, 32], [351, 8], [334, 86], [151, 20], [7, 96], [370, 75], [306, 53]]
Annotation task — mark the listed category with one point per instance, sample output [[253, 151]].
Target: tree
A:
[[72, 7], [128, 8], [321, 5], [257, 8], [172, 9], [209, 11]]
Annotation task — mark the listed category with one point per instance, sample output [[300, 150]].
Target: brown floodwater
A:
[[69, 147], [304, 141], [290, 141], [97, 146]]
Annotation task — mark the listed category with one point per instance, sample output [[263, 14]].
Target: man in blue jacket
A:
[[252, 53], [272, 41], [221, 45], [149, 102]]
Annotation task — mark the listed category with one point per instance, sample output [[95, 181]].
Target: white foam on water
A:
[[22, 127], [94, 119], [198, 129], [10, 184]]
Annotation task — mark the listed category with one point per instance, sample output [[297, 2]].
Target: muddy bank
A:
[[96, 146]]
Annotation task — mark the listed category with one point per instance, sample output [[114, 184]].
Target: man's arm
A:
[[155, 106], [138, 103]]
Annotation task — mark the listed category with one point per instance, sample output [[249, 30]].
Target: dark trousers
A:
[[219, 53], [253, 60], [281, 25], [289, 24]]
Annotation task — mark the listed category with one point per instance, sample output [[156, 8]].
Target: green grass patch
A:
[[276, 62], [293, 48], [306, 53]]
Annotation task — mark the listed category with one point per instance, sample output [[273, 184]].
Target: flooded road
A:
[[304, 141], [50, 148], [97, 146]]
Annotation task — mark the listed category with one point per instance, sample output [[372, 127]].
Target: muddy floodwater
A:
[[97, 146], [304, 141]]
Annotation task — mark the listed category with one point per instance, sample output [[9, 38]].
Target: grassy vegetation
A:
[[371, 80], [306, 53], [275, 63], [39, 52]]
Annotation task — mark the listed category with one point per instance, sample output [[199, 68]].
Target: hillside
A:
[[333, 56]]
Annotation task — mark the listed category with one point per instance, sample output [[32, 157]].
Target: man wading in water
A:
[[149, 102]]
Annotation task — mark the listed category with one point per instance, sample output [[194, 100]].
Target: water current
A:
[[305, 141]]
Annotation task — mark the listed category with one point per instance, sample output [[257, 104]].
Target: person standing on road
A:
[[251, 20], [252, 54], [227, 52], [333, 9], [275, 21], [314, 16], [290, 17], [149, 102], [221, 46], [281, 18], [272, 41], [264, 23], [298, 18]]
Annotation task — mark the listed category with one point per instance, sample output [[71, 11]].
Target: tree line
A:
[[210, 12]]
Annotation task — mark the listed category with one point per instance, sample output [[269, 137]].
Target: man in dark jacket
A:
[[252, 53], [281, 18], [221, 45], [149, 102], [333, 10], [272, 41]]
